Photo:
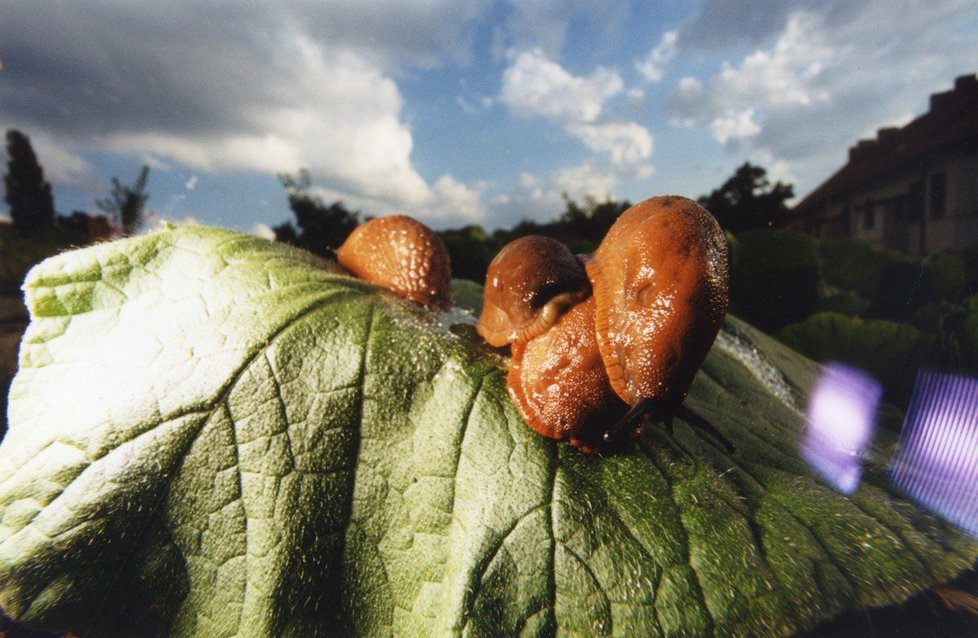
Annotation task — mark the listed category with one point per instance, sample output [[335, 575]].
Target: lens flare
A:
[[840, 415], [937, 464]]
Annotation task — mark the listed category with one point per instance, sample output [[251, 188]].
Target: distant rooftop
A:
[[951, 121]]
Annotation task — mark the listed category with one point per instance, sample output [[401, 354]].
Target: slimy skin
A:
[[558, 383], [660, 289], [529, 285], [403, 255]]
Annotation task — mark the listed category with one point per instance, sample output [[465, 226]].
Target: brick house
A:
[[912, 189]]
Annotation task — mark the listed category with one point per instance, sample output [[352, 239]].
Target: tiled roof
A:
[[952, 120]]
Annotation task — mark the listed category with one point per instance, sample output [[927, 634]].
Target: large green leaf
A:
[[215, 435]]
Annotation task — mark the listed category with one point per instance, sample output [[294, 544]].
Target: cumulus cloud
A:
[[261, 230], [652, 67], [628, 144], [737, 126], [208, 90], [61, 165], [534, 85], [785, 75], [817, 77], [541, 198]]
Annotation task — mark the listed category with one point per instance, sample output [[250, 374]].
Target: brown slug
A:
[[558, 382], [529, 284], [403, 255], [660, 288], [659, 281]]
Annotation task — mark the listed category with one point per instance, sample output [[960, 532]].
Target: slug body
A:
[[529, 284], [558, 383], [660, 289], [403, 255]]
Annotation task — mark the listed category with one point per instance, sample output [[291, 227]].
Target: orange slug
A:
[[558, 383], [403, 255], [660, 289], [529, 284]]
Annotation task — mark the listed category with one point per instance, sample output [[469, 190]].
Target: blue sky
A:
[[460, 112]]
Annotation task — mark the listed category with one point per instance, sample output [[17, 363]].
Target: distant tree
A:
[[27, 194], [587, 224], [126, 204], [321, 228], [749, 200], [470, 251]]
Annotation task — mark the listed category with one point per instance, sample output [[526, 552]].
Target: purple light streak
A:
[[937, 464], [841, 414]]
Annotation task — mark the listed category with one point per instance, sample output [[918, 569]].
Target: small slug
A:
[[660, 289], [529, 284], [402, 255], [558, 382]]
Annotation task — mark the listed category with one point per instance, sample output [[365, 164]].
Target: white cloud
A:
[[61, 165], [281, 88], [652, 67], [737, 126], [342, 122], [455, 203], [788, 75], [819, 77], [541, 199], [263, 231], [534, 85], [628, 144], [191, 183]]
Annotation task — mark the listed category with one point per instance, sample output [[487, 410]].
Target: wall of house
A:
[[888, 214], [957, 227]]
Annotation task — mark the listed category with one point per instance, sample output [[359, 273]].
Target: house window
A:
[[938, 194], [869, 215], [916, 199]]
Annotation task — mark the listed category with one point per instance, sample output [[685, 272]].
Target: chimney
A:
[[963, 86], [965, 83], [887, 134], [861, 150]]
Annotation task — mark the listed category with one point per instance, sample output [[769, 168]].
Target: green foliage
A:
[[215, 435], [774, 277], [470, 251], [748, 200], [882, 348], [321, 228], [853, 265], [27, 194], [126, 204], [947, 276], [17, 256], [969, 329], [970, 258], [845, 303]]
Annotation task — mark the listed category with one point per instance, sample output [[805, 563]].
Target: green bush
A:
[[969, 331], [947, 276], [905, 287], [845, 303], [774, 277], [17, 256], [853, 265], [890, 351]]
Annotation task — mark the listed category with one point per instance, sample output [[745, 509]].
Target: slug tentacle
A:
[[529, 284]]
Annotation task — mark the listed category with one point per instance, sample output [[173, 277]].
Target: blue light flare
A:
[[841, 414], [937, 464]]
